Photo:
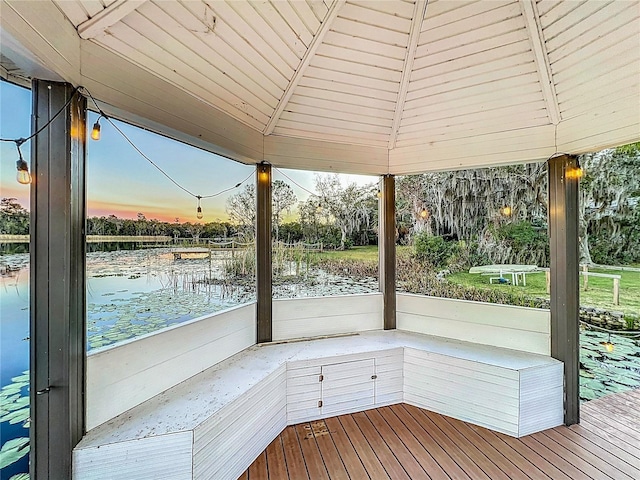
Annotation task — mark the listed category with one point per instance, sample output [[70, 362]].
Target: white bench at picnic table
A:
[[516, 271]]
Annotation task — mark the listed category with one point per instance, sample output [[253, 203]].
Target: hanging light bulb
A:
[[23, 175], [379, 194], [424, 213], [95, 133], [506, 211], [199, 209], [574, 172], [264, 175], [608, 346]]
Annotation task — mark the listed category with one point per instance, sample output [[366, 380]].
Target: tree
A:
[[349, 207], [610, 205], [14, 218], [241, 207], [283, 199]]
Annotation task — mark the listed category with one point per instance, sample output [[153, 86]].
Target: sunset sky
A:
[[122, 183]]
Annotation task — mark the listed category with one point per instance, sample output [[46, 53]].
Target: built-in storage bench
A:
[[214, 424]]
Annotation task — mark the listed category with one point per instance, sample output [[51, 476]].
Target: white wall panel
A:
[[519, 328], [125, 375], [165, 457], [541, 399], [227, 443], [316, 316]]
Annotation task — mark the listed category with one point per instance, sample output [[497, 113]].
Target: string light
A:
[[506, 211], [23, 175], [424, 213], [95, 133], [608, 346], [574, 172], [199, 209]]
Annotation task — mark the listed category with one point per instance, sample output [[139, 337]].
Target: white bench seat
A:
[[214, 424]]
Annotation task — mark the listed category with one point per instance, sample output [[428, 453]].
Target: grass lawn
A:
[[599, 293], [368, 253]]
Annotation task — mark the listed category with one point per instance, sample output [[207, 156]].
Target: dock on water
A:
[[179, 252]]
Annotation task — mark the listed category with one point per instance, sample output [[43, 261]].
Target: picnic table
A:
[[518, 272]]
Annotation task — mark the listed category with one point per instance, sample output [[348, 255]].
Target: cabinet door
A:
[[348, 387]]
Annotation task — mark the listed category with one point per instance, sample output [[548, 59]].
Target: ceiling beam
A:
[[536, 38], [96, 25], [419, 11], [332, 13]]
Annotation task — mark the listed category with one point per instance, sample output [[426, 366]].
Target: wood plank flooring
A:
[[405, 442]]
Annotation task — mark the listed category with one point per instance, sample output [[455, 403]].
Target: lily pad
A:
[[20, 476], [13, 450]]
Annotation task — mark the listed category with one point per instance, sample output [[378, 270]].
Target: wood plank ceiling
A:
[[393, 74]]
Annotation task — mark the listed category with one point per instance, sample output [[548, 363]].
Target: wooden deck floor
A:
[[405, 442]]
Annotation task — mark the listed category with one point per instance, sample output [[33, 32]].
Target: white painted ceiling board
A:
[[486, 15], [384, 110], [601, 22], [498, 117], [617, 61], [92, 7], [364, 45], [319, 7], [551, 10], [438, 8], [464, 131], [441, 94], [189, 79], [327, 88], [234, 76], [478, 101], [368, 15], [563, 26], [73, 10], [260, 17], [314, 132], [370, 32], [203, 37], [459, 53], [399, 9], [330, 113], [616, 37], [331, 125]]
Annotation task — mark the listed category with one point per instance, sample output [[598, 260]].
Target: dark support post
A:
[[387, 242], [263, 252], [565, 301], [57, 302]]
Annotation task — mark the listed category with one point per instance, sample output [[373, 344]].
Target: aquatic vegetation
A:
[[603, 371], [14, 409]]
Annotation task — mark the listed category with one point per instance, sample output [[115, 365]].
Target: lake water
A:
[[133, 292]]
